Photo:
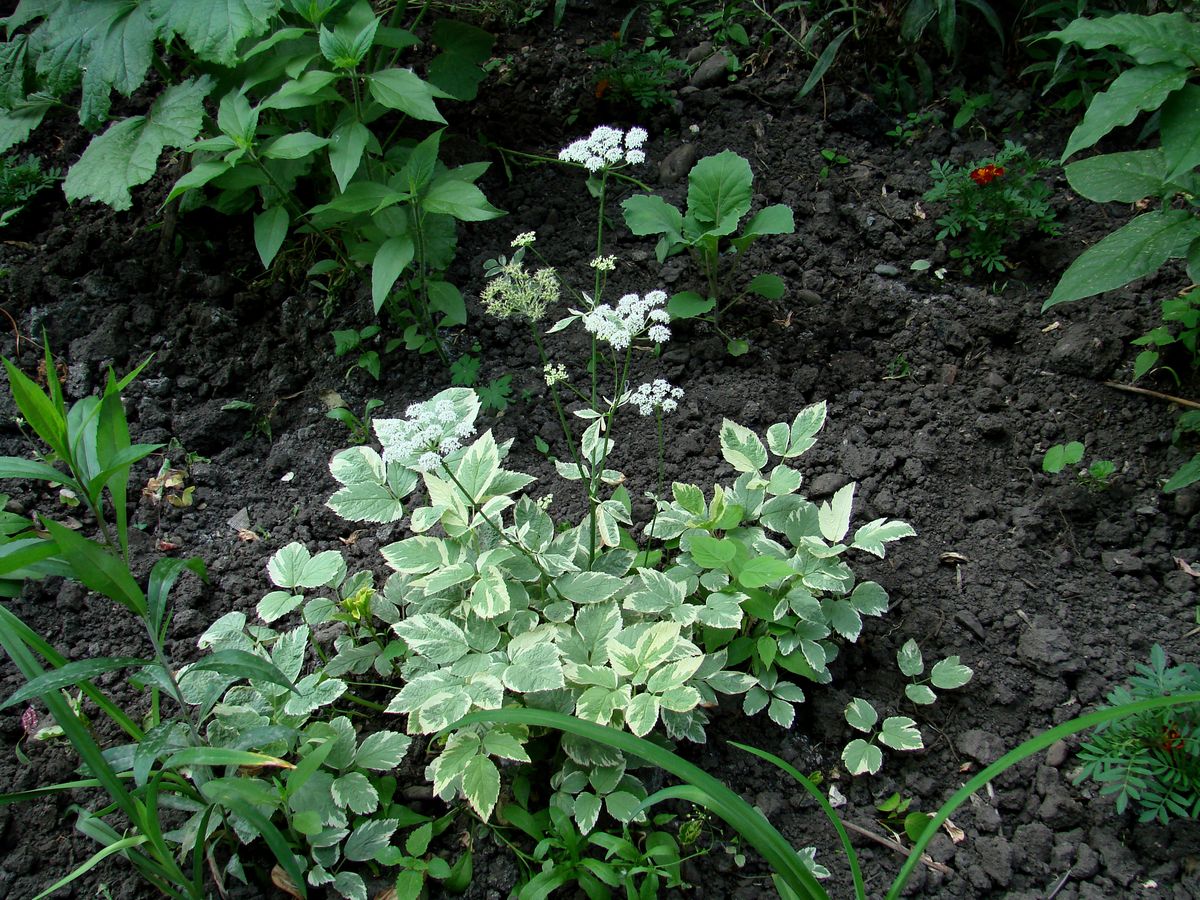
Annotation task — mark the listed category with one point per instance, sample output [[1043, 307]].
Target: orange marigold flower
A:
[[987, 174]]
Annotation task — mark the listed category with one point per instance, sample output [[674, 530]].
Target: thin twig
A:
[[898, 847], [1157, 395]]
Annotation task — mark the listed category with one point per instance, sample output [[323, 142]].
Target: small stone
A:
[[1121, 562], [1048, 650], [992, 427], [711, 72], [699, 52], [982, 746], [1083, 351], [969, 621], [1087, 862], [995, 855], [1056, 755], [887, 270], [826, 485], [1059, 810], [677, 163]]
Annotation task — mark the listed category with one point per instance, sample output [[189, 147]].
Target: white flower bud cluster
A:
[[604, 263], [513, 292], [429, 432], [632, 317], [524, 239], [607, 147], [554, 373], [656, 395]]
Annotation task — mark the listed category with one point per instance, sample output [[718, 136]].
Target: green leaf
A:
[[270, 230], [909, 659], [366, 502], [416, 555], [241, 664], [1134, 90], [900, 733], [641, 714], [860, 757], [741, 447], [403, 90], [346, 146], [1135, 250], [354, 792], [459, 199], [777, 219], [763, 570], [504, 745], [1189, 473], [447, 301], [588, 587], [298, 145], [719, 192], [293, 566], [919, 694], [737, 347], [872, 536], [1060, 456], [350, 885], [689, 305], [1180, 133], [391, 259], [711, 552], [1149, 39], [127, 153], [861, 715], [1123, 177], [796, 439], [382, 751], [769, 286], [434, 637], [825, 60], [481, 785], [19, 121], [949, 674], [214, 28], [834, 516], [369, 838], [70, 674], [650, 214]]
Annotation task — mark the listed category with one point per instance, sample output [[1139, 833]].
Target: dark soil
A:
[[1049, 591]]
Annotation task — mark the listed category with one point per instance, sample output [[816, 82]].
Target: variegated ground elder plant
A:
[[493, 603]]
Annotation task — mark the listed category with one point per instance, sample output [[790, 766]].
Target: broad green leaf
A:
[[277, 604], [535, 667], [872, 536], [950, 673], [481, 785], [1180, 133], [741, 447], [292, 566], [504, 745], [489, 596], [900, 733], [200, 175], [1125, 177], [1134, 90], [346, 146], [309, 89], [350, 885], [459, 199], [354, 792], [1189, 473], [763, 570], [391, 259], [214, 28], [382, 751], [860, 757], [19, 121], [690, 497], [843, 618], [312, 692], [781, 712], [834, 516], [587, 811], [127, 153], [416, 555], [357, 464], [719, 192], [642, 714], [588, 587], [369, 838], [403, 90], [769, 286], [737, 347], [794, 440], [909, 659], [689, 304], [650, 214], [478, 466], [365, 501], [270, 230], [1148, 39], [777, 219], [1133, 251], [861, 715], [711, 552], [298, 145], [434, 637], [919, 694]]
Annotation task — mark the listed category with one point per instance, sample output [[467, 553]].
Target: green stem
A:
[[563, 422], [423, 312], [658, 484], [365, 704]]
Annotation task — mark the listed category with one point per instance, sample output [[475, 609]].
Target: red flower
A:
[[1172, 739], [987, 174]]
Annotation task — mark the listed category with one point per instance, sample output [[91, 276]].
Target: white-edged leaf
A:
[[382, 751], [859, 757], [481, 785], [741, 447], [921, 694], [909, 659], [354, 792], [434, 637], [861, 715], [834, 515], [900, 733], [368, 838], [950, 673], [872, 536]]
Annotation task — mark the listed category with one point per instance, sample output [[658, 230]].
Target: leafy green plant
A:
[[895, 810], [1181, 318], [496, 394], [988, 201], [720, 193], [1095, 477], [358, 426], [1071, 72], [727, 22], [20, 182], [952, 26], [913, 126], [1151, 758], [1189, 472], [349, 341], [969, 106], [644, 77], [1165, 49], [794, 871], [831, 157]]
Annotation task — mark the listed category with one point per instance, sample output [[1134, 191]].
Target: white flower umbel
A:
[[604, 263], [513, 292], [656, 395], [524, 239], [607, 148], [430, 431], [632, 317], [554, 373]]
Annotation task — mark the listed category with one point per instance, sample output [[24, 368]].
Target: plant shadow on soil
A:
[[1050, 592]]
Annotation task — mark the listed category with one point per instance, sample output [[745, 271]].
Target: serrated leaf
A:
[[588, 587], [278, 604], [900, 733], [763, 570], [481, 785], [587, 811], [872, 536], [741, 447], [909, 659], [354, 792], [860, 757], [434, 637], [369, 838], [213, 28], [641, 714], [869, 599], [719, 192], [711, 552], [794, 440], [781, 712], [126, 155], [920, 694], [861, 715], [293, 566], [950, 673], [834, 515], [382, 751], [504, 745]]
